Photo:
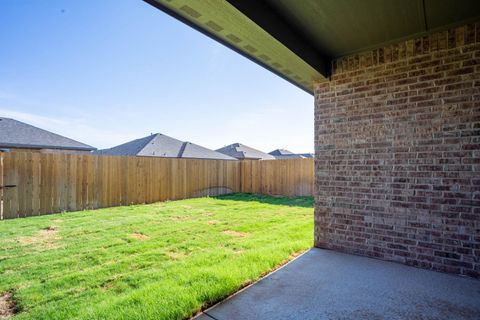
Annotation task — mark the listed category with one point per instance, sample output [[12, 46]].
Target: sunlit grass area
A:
[[158, 261]]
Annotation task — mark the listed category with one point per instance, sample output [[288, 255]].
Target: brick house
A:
[[401, 155], [396, 88]]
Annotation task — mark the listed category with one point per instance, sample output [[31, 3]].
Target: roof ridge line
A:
[[182, 149], [147, 141]]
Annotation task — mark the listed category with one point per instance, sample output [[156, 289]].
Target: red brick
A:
[[397, 133]]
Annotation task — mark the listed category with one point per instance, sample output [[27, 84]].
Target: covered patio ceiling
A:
[[298, 40]]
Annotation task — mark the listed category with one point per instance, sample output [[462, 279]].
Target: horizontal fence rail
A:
[[41, 183]]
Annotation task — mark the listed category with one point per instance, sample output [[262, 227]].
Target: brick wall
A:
[[397, 135]]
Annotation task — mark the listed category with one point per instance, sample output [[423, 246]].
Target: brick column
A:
[[397, 136]]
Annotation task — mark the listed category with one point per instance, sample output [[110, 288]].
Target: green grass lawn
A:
[[159, 261]]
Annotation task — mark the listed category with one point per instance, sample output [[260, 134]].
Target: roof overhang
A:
[[298, 40], [37, 146]]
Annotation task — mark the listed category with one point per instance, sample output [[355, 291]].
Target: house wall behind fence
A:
[[49, 183], [397, 136]]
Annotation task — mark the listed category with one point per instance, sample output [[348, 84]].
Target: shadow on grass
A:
[[305, 202]]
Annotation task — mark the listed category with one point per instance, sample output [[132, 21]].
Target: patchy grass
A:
[[159, 261]]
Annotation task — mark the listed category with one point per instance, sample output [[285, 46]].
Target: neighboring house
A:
[[307, 155], [243, 152], [160, 145], [283, 154], [19, 136]]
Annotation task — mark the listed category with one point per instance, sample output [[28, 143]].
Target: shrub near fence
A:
[[39, 183]]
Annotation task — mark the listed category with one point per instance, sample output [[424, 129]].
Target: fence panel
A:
[[293, 177], [41, 183]]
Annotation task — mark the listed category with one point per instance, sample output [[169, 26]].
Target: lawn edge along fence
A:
[[34, 183]]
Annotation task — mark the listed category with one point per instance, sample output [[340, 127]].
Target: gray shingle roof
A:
[[192, 150], [160, 145], [285, 154], [17, 134], [241, 152], [281, 152], [307, 155]]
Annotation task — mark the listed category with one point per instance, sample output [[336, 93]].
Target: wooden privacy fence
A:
[[41, 183], [292, 177]]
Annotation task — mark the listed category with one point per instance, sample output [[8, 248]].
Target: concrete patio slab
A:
[[323, 284]]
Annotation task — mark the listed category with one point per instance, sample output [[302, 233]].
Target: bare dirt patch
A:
[[49, 229], [8, 307], [175, 255], [109, 283], [139, 236], [235, 233], [213, 222], [182, 218], [45, 238], [158, 204]]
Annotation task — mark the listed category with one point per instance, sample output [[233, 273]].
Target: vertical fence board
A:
[[22, 184], [10, 201]]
